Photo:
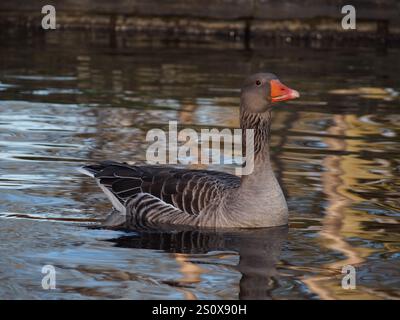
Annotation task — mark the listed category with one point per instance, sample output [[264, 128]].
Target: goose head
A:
[[262, 90]]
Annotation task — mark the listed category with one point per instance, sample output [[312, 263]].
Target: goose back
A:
[[189, 191]]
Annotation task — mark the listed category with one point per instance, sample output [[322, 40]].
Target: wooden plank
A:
[[216, 9], [308, 9]]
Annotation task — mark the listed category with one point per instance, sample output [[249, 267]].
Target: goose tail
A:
[[87, 170], [92, 171]]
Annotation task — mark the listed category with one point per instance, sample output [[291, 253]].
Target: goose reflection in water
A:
[[258, 249]]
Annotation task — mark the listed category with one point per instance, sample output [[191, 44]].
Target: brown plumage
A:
[[154, 195]]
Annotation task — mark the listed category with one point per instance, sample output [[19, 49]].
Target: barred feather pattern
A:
[[261, 124], [160, 195]]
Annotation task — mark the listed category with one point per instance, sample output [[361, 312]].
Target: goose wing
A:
[[188, 191]]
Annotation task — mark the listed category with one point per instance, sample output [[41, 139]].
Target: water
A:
[[66, 100]]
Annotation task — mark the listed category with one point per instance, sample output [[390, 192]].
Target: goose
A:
[[164, 195]]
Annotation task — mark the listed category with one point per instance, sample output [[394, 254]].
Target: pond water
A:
[[66, 100]]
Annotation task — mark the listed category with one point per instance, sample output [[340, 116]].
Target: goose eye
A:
[[258, 82]]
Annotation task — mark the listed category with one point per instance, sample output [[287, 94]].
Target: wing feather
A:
[[187, 191]]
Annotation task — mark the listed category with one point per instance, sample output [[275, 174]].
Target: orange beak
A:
[[279, 92]]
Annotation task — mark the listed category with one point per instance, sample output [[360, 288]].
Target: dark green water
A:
[[65, 101]]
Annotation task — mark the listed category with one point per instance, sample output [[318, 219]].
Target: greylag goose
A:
[[162, 195]]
